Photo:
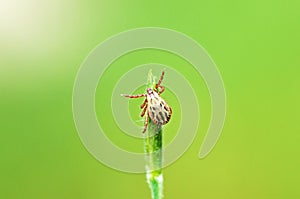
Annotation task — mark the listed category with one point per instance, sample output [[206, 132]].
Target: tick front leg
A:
[[133, 96], [162, 89], [160, 80], [146, 123]]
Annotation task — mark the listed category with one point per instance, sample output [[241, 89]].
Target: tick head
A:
[[149, 91]]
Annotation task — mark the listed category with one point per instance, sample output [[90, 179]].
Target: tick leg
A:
[[144, 103], [134, 96], [144, 111], [160, 80], [146, 123], [162, 89]]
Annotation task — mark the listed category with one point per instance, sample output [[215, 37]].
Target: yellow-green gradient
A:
[[255, 45]]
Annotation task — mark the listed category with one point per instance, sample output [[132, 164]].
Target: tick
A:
[[156, 107]]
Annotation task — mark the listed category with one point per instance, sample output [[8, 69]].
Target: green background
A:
[[255, 45]]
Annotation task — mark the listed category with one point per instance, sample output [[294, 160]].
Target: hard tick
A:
[[156, 107]]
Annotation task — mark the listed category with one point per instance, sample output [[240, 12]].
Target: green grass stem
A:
[[153, 149]]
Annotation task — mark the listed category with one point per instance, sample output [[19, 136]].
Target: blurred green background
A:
[[255, 45]]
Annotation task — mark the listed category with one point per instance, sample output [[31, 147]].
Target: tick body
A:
[[156, 107]]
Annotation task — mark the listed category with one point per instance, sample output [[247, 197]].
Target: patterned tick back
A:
[[158, 110]]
